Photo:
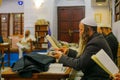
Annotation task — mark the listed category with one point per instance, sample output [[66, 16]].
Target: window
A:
[[18, 23], [4, 25]]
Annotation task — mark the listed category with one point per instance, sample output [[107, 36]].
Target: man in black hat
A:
[[90, 43]]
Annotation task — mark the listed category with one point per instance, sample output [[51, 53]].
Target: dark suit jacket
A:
[[90, 69], [113, 43], [1, 39]]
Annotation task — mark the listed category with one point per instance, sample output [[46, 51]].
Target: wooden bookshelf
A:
[[40, 32], [117, 10]]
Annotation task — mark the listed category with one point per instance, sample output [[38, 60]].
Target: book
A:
[[105, 62], [57, 68], [52, 42], [56, 42]]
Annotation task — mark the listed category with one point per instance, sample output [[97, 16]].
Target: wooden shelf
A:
[[117, 10], [40, 32]]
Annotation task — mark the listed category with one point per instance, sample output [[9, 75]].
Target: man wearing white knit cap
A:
[[111, 39], [89, 21], [90, 43]]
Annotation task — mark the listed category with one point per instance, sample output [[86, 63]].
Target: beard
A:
[[81, 46]]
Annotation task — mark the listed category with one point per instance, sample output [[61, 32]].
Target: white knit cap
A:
[[104, 25], [89, 21]]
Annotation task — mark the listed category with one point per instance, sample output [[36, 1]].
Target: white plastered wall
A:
[[48, 11], [32, 14], [103, 10]]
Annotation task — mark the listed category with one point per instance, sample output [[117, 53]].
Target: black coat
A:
[[113, 43], [90, 69], [32, 63]]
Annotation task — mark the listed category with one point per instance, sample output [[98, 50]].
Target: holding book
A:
[[105, 62], [90, 43]]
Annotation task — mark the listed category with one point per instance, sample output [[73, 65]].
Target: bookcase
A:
[[117, 10], [40, 32]]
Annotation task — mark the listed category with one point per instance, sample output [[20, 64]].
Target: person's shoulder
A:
[[97, 39], [111, 36], [31, 36]]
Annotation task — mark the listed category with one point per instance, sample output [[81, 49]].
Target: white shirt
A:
[[24, 41]]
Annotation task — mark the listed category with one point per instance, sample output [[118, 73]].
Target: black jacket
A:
[[90, 69], [113, 43], [32, 63]]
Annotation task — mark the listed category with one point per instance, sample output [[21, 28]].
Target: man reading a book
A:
[[111, 39], [90, 43]]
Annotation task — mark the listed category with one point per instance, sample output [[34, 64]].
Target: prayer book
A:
[[56, 42], [105, 62], [56, 68], [52, 42]]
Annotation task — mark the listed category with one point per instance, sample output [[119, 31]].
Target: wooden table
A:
[[4, 46], [9, 75]]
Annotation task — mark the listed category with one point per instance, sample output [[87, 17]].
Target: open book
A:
[[105, 62], [53, 41], [57, 68]]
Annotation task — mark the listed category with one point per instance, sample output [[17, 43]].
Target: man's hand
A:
[[63, 49], [117, 76], [57, 54]]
